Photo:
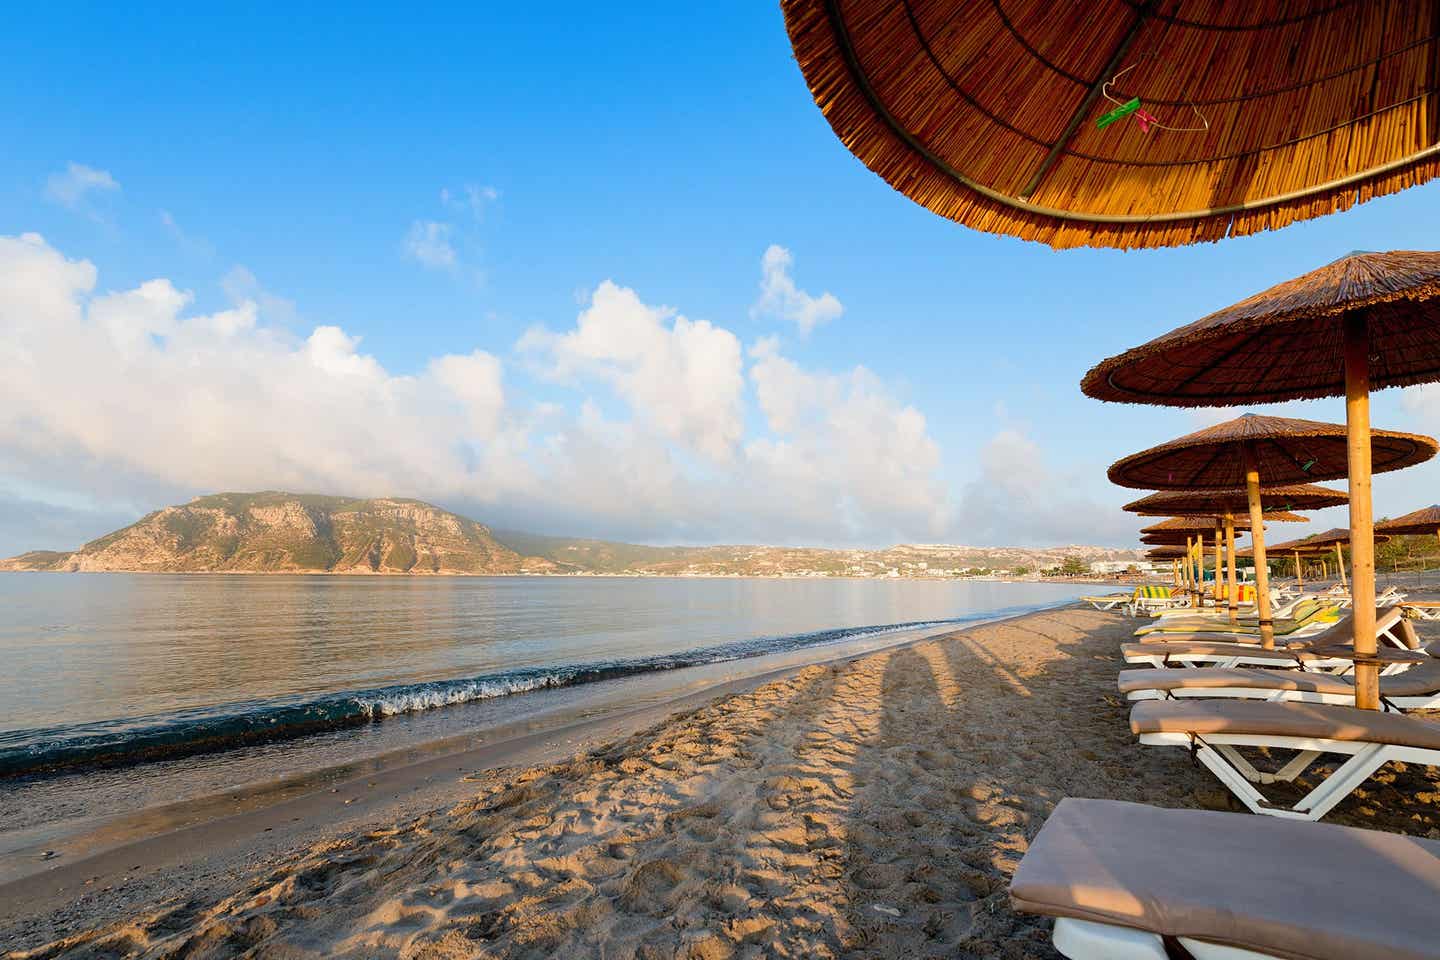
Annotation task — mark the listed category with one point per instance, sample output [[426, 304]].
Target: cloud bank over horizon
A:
[[676, 430]]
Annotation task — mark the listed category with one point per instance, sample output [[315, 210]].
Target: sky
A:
[[563, 269]]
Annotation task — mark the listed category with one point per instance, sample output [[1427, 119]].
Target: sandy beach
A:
[[870, 808]]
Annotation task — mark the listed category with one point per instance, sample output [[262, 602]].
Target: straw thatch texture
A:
[[1183, 525], [1286, 450], [1164, 553], [986, 112], [1208, 503], [1318, 542], [1286, 343], [1425, 520]]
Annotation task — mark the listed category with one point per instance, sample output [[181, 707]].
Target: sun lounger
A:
[[1150, 598], [1417, 688], [1391, 629], [1108, 601], [1212, 730], [1122, 879], [1306, 618], [1239, 651], [1421, 609]]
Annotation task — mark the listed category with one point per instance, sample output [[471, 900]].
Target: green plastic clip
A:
[[1125, 109]]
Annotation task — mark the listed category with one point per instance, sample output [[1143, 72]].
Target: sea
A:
[[119, 691]]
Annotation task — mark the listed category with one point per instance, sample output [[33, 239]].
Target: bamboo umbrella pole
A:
[[1218, 592], [1362, 521], [1230, 556], [1189, 568], [1257, 536], [1340, 564], [1299, 574]]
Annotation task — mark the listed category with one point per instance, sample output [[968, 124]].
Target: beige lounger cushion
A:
[[1274, 719], [1421, 680], [1218, 648], [1161, 678], [1303, 891]]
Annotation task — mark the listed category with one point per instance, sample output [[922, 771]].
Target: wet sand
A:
[[869, 808]]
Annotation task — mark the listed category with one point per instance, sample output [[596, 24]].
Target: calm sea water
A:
[[114, 668]]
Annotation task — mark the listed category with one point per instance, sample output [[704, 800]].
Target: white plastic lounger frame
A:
[[1107, 603], [1425, 610], [1390, 704], [1217, 751], [1090, 940], [1239, 658]]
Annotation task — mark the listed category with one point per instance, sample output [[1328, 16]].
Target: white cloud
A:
[[845, 450], [76, 182], [683, 376], [470, 198], [132, 386], [1021, 498], [132, 397], [428, 243], [780, 297], [240, 285]]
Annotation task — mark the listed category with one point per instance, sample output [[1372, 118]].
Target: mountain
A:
[[275, 532]]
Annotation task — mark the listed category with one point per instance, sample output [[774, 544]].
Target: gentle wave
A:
[[181, 733]]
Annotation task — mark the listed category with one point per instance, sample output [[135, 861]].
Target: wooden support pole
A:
[[1362, 520], [1340, 564], [1218, 593], [1299, 574], [1257, 537], [1234, 598]]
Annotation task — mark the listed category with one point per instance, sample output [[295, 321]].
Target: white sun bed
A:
[[1168, 651], [1415, 688], [1212, 730], [1107, 601], [1123, 879]]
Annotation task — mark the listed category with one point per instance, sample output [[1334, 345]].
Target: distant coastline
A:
[[288, 533]]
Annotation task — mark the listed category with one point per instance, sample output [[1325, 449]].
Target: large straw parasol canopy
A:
[[1285, 450], [1424, 520], [1211, 503], [1246, 116], [1165, 553], [1286, 343], [1365, 321], [1322, 541]]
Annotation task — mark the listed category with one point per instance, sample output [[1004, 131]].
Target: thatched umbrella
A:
[[1177, 530], [1249, 448], [1321, 544], [1229, 502], [1422, 521], [1366, 320], [1128, 123]]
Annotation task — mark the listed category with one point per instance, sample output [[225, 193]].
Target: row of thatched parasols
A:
[[1368, 320]]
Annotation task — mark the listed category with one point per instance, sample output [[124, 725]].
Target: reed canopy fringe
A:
[[1211, 503], [1234, 116], [1287, 342], [1285, 450], [1424, 520], [1319, 542]]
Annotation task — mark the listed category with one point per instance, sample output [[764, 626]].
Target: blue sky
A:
[[443, 181]]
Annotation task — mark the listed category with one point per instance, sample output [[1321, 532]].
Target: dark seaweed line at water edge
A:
[[124, 742]]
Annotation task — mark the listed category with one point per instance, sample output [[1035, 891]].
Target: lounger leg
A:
[[1339, 784], [1285, 774], [1234, 781]]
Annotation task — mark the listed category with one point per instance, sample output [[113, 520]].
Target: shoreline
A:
[[600, 576], [872, 806], [396, 783]]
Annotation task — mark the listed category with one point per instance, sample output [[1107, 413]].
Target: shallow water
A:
[[224, 680]]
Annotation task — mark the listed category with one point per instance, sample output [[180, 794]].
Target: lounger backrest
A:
[[1152, 592]]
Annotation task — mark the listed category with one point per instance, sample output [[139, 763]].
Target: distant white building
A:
[[1120, 566]]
